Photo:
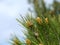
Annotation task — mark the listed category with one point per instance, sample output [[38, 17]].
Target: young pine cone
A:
[[39, 20], [29, 23], [28, 41]]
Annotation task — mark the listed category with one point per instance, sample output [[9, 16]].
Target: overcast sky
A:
[[9, 11]]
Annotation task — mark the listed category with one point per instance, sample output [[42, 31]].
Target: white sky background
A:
[[9, 10]]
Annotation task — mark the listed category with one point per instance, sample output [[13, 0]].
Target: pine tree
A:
[[44, 28]]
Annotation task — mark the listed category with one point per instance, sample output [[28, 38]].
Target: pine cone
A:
[[39, 20], [28, 41], [46, 20], [28, 23]]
